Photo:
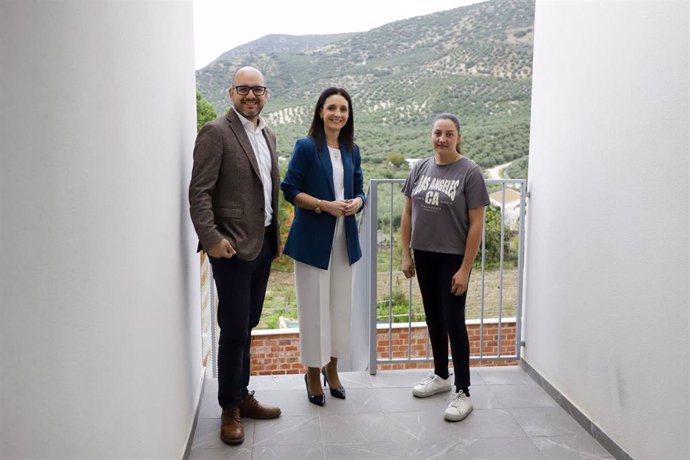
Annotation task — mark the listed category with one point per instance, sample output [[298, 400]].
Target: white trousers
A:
[[324, 305]]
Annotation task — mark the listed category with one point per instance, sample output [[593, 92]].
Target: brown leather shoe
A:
[[231, 430], [251, 408]]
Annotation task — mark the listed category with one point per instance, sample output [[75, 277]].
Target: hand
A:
[[459, 283], [334, 208], [352, 206], [222, 249], [407, 267], [280, 252]]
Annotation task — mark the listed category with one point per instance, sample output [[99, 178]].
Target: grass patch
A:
[[281, 299]]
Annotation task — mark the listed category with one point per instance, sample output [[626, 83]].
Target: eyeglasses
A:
[[244, 90]]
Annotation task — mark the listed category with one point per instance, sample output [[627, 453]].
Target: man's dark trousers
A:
[[241, 288]]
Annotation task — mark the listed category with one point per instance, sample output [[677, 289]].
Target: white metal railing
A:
[[382, 212], [378, 232]]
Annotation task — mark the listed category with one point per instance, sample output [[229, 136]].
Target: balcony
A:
[[513, 418]]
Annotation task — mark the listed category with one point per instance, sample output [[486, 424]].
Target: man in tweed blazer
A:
[[233, 197]]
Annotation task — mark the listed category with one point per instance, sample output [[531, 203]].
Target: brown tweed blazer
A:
[[226, 198]]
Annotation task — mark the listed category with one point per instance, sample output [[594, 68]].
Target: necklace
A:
[[334, 150]]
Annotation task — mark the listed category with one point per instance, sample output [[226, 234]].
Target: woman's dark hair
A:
[[316, 130], [456, 122]]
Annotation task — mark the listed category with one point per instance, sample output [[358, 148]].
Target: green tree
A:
[[492, 234], [204, 111], [395, 159]]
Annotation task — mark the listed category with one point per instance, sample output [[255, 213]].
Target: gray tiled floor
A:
[[513, 418]]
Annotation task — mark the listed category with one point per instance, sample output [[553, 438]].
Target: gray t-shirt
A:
[[442, 196]]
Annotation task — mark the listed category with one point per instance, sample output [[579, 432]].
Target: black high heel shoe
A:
[[335, 392], [319, 400]]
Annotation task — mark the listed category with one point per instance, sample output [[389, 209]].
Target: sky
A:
[[220, 25]]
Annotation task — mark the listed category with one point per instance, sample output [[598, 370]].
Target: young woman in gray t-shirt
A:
[[442, 224]]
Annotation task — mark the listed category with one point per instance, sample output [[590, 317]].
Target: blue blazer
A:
[[310, 171]]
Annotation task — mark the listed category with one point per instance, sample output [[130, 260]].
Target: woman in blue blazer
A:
[[325, 184]]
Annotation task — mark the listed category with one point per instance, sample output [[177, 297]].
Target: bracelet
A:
[[317, 208]]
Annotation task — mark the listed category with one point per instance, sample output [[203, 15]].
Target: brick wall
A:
[[276, 352]]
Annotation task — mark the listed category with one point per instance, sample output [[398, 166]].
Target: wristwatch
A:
[[317, 209]]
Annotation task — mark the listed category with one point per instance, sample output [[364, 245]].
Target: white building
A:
[[508, 201]]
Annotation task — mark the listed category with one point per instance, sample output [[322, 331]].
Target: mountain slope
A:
[[475, 61]]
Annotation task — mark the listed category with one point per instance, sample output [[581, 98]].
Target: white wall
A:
[[99, 334], [606, 305]]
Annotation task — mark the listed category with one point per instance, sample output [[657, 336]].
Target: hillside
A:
[[475, 61]]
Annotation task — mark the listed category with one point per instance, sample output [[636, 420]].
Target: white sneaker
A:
[[458, 408], [431, 386]]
